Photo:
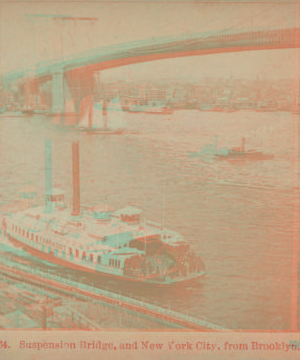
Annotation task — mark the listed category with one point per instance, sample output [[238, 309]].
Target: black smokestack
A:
[[76, 179]]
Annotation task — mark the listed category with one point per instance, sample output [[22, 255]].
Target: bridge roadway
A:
[[165, 47], [70, 287]]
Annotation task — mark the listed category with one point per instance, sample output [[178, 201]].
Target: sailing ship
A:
[[27, 110], [98, 239], [105, 119]]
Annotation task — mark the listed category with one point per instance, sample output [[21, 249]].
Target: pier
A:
[[23, 273]]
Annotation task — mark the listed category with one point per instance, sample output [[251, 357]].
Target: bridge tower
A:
[[38, 51], [70, 87]]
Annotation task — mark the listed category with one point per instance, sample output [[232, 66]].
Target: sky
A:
[[26, 38]]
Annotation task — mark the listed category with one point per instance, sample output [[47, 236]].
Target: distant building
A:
[[109, 91]]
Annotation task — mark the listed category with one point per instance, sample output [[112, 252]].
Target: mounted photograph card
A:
[[149, 179]]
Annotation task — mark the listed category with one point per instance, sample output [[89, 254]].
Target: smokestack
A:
[[48, 176], [216, 142], [243, 144], [76, 184]]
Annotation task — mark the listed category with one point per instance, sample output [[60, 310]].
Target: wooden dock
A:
[[69, 287]]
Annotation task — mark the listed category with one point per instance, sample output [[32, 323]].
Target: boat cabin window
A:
[[119, 264], [83, 256], [77, 253], [57, 198], [99, 259], [130, 218], [36, 238], [91, 257], [32, 236], [109, 263], [70, 251]]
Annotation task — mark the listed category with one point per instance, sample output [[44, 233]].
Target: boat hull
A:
[[51, 258], [28, 112], [246, 156], [101, 132]]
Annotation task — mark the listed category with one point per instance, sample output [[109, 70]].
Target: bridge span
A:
[[75, 74]]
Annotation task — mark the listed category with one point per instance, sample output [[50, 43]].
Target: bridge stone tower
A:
[[57, 91], [69, 87]]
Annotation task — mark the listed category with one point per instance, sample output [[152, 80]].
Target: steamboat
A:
[[98, 239], [223, 153]]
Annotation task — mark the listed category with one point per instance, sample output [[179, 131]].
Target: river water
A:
[[237, 215]]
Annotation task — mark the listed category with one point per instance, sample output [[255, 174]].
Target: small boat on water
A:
[[27, 110], [159, 110], [212, 151], [241, 153]]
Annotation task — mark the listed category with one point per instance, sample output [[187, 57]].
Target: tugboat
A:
[[242, 153], [98, 239], [212, 151]]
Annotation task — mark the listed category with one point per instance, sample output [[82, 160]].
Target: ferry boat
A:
[[159, 110], [146, 109], [98, 239]]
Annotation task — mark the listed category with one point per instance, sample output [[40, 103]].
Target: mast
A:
[[163, 222], [243, 144], [105, 115], [216, 142], [90, 114], [48, 176], [76, 179]]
